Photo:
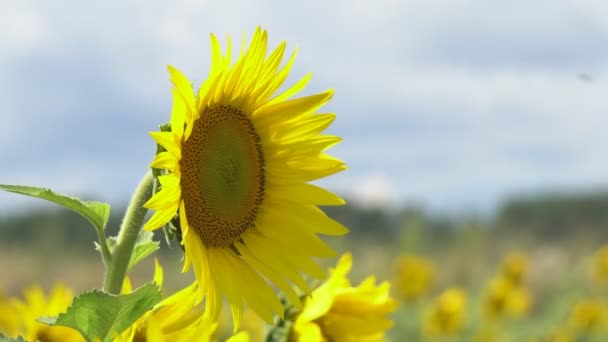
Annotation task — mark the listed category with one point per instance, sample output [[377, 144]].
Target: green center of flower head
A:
[[223, 175]]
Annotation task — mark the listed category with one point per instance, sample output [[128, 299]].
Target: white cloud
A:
[[22, 28], [375, 190]]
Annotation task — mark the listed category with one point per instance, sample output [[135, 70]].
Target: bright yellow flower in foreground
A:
[[35, 305], [174, 319], [588, 316], [414, 276], [10, 322], [504, 300], [336, 311], [238, 161], [447, 315]]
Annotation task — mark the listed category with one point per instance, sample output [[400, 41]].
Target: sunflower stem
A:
[[105, 251], [127, 236]]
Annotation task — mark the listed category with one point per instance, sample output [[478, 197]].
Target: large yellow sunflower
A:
[[238, 164]]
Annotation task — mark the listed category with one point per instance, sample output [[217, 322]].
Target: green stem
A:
[[105, 251], [129, 230]]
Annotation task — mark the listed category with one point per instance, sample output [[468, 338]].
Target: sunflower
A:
[[9, 322], [515, 268], [175, 318], [37, 304], [502, 299], [238, 163], [447, 315], [588, 316], [414, 276], [600, 267], [337, 311]]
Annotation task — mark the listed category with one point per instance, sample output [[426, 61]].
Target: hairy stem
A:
[[105, 251], [129, 230]]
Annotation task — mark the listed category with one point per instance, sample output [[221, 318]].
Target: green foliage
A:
[[10, 339], [144, 246], [101, 315], [141, 251], [96, 212]]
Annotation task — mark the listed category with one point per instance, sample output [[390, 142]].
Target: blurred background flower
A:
[[414, 276], [18, 316], [448, 314]]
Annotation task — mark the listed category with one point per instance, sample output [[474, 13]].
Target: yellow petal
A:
[[164, 160], [304, 193], [168, 141], [243, 336], [158, 273], [269, 273], [126, 286], [160, 218], [183, 86]]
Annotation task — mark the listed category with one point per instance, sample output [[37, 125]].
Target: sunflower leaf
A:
[[144, 246], [99, 315], [141, 251], [96, 212]]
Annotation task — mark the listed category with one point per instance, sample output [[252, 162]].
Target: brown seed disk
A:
[[223, 176]]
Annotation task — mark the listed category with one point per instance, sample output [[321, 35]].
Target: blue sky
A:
[[451, 104]]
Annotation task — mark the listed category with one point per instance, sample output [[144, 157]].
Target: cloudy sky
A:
[[452, 104]]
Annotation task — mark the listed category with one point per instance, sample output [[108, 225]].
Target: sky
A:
[[452, 104]]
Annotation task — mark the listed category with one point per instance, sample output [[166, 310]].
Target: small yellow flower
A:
[[588, 316], [447, 315], [414, 276], [504, 300], [514, 268], [337, 311], [35, 305], [600, 267]]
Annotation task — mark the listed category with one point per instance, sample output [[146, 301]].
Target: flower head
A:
[[414, 276], [588, 316], [447, 315], [237, 164], [514, 268], [37, 304], [600, 267], [337, 311], [502, 299]]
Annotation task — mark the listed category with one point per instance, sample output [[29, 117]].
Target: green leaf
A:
[[4, 338], [96, 212], [97, 314], [144, 246], [141, 251]]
